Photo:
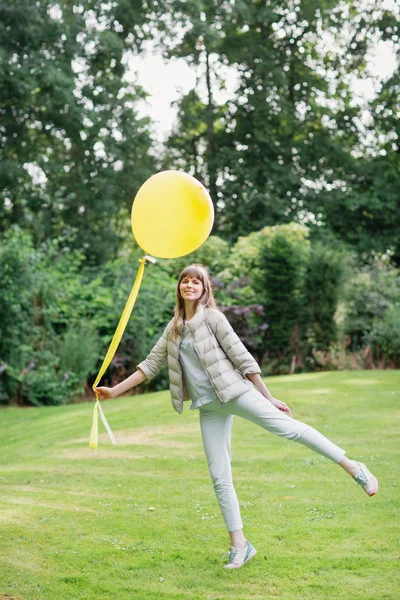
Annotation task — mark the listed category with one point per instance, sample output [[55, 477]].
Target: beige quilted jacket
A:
[[225, 358]]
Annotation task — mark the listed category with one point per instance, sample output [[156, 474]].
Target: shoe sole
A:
[[252, 553]]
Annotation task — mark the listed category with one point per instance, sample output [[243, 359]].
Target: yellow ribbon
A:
[[94, 434]]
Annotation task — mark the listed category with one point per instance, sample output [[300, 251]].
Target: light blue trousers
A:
[[216, 424]]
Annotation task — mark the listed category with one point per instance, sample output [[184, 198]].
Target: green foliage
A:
[[105, 300], [289, 152], [44, 361], [373, 222], [78, 351], [55, 379], [17, 265], [73, 150], [299, 285], [214, 254], [384, 336], [324, 278], [244, 258], [59, 319], [243, 266], [369, 294], [183, 148], [291, 143], [279, 290], [59, 315], [372, 312]]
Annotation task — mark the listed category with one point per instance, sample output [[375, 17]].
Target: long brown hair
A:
[[194, 271]]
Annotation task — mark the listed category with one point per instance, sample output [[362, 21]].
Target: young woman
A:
[[208, 364]]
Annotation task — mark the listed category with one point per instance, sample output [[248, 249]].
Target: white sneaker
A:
[[366, 480], [237, 558]]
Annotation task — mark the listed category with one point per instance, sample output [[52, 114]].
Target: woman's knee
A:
[[221, 475], [222, 484]]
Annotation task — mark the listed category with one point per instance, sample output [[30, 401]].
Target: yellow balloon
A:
[[172, 215]]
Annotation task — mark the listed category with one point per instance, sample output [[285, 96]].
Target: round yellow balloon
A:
[[172, 215]]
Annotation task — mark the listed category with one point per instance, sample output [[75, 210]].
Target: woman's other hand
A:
[[104, 392], [281, 406]]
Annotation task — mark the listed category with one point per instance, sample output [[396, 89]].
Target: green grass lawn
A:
[[140, 520]]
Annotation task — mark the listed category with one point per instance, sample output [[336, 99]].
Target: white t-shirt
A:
[[197, 381]]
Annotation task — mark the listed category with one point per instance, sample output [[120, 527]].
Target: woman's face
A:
[[191, 288]]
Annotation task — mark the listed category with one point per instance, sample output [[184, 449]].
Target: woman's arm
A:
[[255, 378], [158, 356], [128, 383], [147, 369]]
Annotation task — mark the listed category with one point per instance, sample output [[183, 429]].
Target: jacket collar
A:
[[194, 322]]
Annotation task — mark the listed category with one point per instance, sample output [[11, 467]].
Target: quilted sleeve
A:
[[158, 356], [231, 344]]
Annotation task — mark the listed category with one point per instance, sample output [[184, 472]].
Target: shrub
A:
[[44, 315], [18, 263], [324, 278], [384, 337], [244, 259], [106, 298], [368, 296]]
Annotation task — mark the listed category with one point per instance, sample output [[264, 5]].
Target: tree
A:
[[73, 150], [193, 144], [289, 143], [364, 210]]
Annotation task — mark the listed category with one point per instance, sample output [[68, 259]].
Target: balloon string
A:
[[94, 437], [106, 425]]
